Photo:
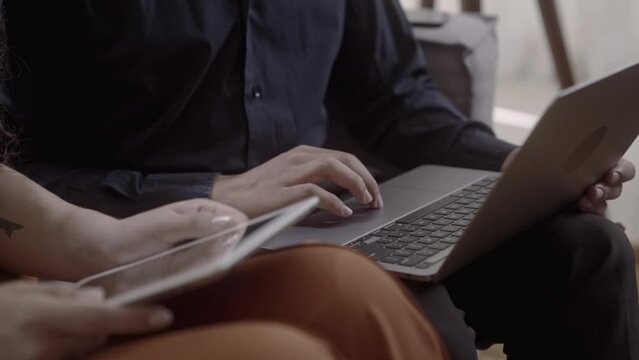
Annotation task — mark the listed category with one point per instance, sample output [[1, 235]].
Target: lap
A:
[[231, 341], [330, 291], [522, 289]]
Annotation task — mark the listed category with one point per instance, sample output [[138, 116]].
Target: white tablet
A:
[[195, 263]]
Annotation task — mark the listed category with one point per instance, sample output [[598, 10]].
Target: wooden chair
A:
[[554, 34]]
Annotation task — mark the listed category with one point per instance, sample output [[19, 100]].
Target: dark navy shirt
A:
[[126, 105]]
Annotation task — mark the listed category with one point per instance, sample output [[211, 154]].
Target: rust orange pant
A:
[[310, 302]]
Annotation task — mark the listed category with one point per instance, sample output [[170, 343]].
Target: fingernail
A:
[[221, 220], [346, 211], [367, 197], [615, 177], [599, 194], [91, 294], [160, 318], [380, 201]]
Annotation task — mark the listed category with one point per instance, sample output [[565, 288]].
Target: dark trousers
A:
[[565, 289]]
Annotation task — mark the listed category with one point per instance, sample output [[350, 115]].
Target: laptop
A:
[[438, 219]]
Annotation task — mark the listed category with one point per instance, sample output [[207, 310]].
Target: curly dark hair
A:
[[8, 138]]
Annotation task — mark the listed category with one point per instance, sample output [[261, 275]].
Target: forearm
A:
[[119, 193], [477, 147], [36, 233], [437, 136]]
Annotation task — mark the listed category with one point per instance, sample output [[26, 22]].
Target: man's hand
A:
[[595, 199], [295, 175], [41, 321]]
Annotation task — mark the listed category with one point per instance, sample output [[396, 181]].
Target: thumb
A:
[[179, 227]]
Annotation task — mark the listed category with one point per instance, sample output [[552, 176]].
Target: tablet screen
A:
[[180, 259], [195, 260]]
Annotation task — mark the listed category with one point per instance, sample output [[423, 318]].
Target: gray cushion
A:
[[462, 57]]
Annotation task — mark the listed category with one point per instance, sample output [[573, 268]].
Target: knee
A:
[[344, 275], [591, 243], [337, 266], [270, 340]]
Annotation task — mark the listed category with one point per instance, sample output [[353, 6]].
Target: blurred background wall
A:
[[601, 36]]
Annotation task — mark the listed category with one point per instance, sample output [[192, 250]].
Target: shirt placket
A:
[[260, 140]]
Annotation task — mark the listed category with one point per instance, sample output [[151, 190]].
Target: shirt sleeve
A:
[[119, 193], [382, 89]]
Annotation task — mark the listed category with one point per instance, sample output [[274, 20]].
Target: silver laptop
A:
[[438, 219]]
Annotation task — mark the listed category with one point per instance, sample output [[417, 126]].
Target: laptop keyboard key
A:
[[392, 259], [409, 228], [370, 248], [428, 240], [440, 246], [416, 246], [403, 253], [431, 227], [431, 217], [421, 222], [395, 246], [461, 222], [461, 193], [382, 253], [443, 222], [384, 241], [472, 188], [454, 206], [398, 234], [428, 252], [423, 265], [420, 233], [380, 233], [451, 239], [451, 228], [454, 216], [439, 234], [413, 260], [464, 201], [465, 211], [443, 212], [392, 227], [407, 240], [475, 196]]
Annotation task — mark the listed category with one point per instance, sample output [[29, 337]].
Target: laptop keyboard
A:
[[416, 238]]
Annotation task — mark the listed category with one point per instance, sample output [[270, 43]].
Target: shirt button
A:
[[256, 92]]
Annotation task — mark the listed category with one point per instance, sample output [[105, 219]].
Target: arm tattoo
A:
[[8, 227]]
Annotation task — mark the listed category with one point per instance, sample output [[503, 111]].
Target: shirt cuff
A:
[[478, 148]]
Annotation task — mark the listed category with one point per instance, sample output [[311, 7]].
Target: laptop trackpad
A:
[[324, 227], [438, 178]]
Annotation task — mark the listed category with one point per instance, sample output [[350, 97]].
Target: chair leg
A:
[[471, 5], [557, 43], [428, 4]]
